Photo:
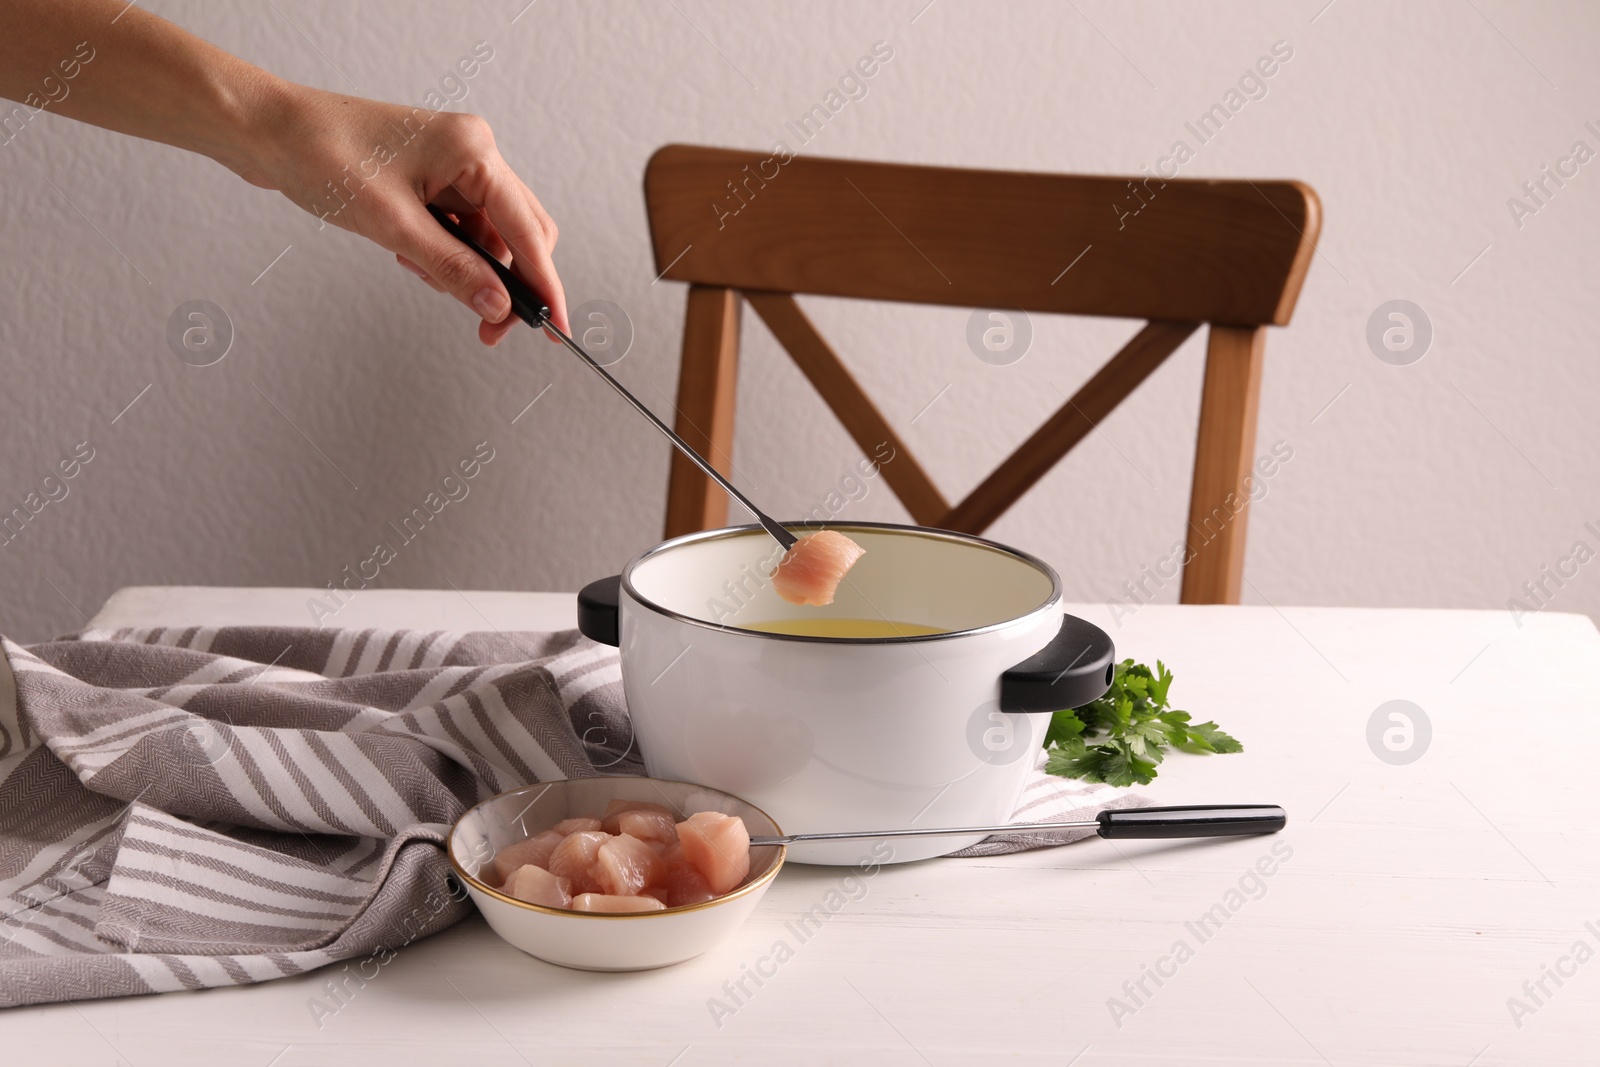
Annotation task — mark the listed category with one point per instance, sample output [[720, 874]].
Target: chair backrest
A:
[[762, 227]]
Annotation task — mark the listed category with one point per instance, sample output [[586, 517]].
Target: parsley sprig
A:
[[1139, 725]]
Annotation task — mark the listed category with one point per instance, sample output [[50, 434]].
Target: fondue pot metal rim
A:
[[920, 531], [1074, 668]]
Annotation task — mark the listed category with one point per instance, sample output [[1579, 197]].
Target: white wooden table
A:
[[1418, 899]]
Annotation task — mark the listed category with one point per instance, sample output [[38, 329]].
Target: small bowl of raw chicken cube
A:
[[615, 874]]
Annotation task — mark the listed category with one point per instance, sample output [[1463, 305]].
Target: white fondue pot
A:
[[848, 733]]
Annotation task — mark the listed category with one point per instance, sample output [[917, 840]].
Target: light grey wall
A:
[[351, 390]]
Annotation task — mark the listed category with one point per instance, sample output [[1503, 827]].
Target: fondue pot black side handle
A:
[[1069, 672], [598, 610]]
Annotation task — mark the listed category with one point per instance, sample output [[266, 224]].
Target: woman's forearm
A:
[[115, 65]]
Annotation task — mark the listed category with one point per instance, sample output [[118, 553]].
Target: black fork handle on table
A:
[[1193, 820]]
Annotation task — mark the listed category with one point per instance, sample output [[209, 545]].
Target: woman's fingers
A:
[[503, 214], [491, 333], [530, 234], [457, 269], [418, 271], [480, 230], [484, 232]]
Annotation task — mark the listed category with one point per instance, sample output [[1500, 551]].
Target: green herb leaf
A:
[[1147, 739], [1120, 766], [1206, 737], [1138, 724], [1073, 759], [1177, 726], [1064, 726]]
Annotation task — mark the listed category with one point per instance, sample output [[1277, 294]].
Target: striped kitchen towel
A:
[[205, 807]]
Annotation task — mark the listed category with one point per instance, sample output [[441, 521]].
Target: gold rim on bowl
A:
[[743, 890]]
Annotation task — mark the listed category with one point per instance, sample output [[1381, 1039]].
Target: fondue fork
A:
[[1194, 820], [530, 309]]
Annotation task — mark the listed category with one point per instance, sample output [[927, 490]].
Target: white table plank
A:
[[1417, 900]]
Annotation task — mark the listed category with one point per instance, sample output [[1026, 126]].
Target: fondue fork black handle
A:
[[1189, 820], [527, 306]]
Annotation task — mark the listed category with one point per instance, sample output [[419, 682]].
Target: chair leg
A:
[[706, 380], [1224, 452]]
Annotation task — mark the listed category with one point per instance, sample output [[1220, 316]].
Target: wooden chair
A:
[[763, 227]]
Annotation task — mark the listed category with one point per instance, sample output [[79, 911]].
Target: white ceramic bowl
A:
[[832, 734], [594, 941]]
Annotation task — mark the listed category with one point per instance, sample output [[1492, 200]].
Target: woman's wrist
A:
[[251, 117]]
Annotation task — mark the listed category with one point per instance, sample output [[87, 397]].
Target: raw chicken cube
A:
[[614, 811], [656, 827], [538, 886], [811, 571], [534, 850], [718, 846], [678, 882], [575, 859], [573, 826], [603, 902], [624, 865]]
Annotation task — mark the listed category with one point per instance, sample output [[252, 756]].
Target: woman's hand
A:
[[372, 168]]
